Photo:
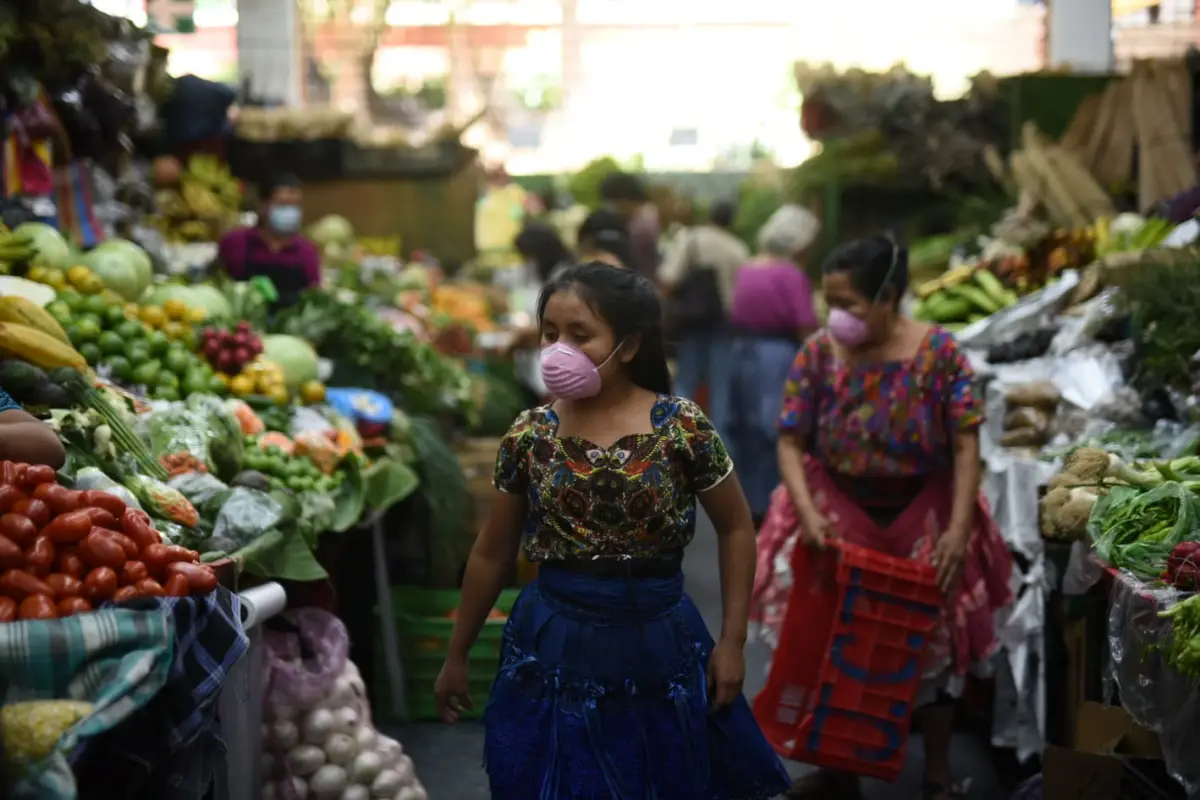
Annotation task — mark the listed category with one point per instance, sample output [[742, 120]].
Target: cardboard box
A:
[[1114, 759]]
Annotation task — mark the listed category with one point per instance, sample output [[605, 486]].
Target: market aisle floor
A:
[[448, 758]]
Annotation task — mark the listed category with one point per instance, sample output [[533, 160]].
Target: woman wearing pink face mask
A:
[[879, 445], [609, 684]]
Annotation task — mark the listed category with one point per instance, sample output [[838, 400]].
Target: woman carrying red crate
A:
[[879, 446]]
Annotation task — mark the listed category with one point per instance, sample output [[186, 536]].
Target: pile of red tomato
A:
[[65, 552]]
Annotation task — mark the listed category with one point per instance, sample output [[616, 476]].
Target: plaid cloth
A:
[[117, 659], [170, 748]]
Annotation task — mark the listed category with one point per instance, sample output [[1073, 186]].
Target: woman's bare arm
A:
[[492, 557], [966, 482], [24, 437], [791, 468], [737, 550]]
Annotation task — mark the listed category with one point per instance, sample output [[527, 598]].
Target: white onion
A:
[[386, 785], [340, 748], [412, 793], [284, 734], [345, 720], [305, 759], [366, 766], [404, 766], [318, 725], [343, 691], [281, 712], [299, 789], [328, 782], [356, 792], [389, 750], [366, 737]]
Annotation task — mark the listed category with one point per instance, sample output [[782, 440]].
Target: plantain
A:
[[23, 311]]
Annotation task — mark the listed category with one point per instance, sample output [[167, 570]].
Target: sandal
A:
[[931, 790], [825, 784]]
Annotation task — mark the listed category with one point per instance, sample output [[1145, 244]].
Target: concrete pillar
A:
[[269, 49], [1079, 35]]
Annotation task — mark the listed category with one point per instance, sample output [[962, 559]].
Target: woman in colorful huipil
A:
[[879, 446], [610, 687]]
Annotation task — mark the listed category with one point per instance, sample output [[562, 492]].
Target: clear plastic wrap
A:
[[245, 515], [1155, 695]]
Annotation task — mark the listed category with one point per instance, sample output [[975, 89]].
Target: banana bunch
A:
[[15, 248], [962, 295], [204, 204]]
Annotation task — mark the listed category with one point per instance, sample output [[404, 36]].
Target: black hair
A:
[[722, 213], [273, 183], [541, 244], [874, 265], [623, 186], [607, 232], [630, 305]]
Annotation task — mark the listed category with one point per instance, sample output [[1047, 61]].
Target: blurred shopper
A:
[[604, 236], [627, 195], [879, 446], [697, 276], [771, 313]]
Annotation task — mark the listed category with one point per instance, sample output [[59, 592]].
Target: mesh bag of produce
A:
[[318, 738]]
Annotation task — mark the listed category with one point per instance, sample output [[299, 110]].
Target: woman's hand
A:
[[451, 692], [815, 530], [949, 555], [726, 672]]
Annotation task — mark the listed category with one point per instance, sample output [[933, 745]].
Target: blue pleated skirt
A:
[[602, 695]]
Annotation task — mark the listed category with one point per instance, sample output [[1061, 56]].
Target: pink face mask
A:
[[848, 329], [568, 372]]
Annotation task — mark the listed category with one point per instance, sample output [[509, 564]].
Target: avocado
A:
[[20, 379], [251, 479], [50, 396]]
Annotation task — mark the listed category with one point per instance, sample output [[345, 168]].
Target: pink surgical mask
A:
[[569, 373], [848, 329]]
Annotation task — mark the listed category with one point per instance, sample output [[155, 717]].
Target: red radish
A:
[[243, 327], [225, 362], [241, 339], [242, 355], [212, 349]]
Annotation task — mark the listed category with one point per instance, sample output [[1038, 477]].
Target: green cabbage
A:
[[331, 229], [116, 270], [52, 249], [137, 257], [294, 356]]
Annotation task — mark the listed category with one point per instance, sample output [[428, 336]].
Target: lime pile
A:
[[114, 340]]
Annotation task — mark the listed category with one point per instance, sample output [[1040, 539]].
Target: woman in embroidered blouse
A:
[[609, 685], [879, 445]]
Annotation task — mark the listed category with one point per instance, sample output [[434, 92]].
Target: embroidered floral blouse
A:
[[636, 497], [889, 419]]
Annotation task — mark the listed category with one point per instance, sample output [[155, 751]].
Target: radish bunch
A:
[[230, 351]]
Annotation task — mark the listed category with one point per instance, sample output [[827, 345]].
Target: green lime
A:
[[88, 327], [111, 344], [129, 330], [95, 304], [90, 352], [114, 316], [158, 343], [72, 298], [217, 386], [177, 361], [195, 383], [74, 334], [168, 379], [146, 373], [59, 310], [119, 367], [138, 352], [168, 393]]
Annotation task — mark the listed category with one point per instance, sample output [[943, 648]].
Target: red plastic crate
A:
[[848, 664]]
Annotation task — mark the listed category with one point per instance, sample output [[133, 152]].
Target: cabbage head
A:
[[116, 270], [50, 247], [138, 257], [331, 229], [294, 356]]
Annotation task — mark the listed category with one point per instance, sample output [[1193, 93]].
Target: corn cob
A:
[[38, 348], [23, 311]]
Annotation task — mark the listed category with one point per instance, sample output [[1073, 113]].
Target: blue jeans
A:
[[760, 367], [702, 358]]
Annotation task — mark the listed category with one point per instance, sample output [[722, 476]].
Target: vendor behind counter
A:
[[275, 248]]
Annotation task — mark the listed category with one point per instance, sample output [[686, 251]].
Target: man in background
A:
[[626, 194]]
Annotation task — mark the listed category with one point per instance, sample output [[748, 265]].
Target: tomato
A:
[[19, 529], [200, 577], [9, 497], [101, 499], [8, 609], [73, 605], [37, 606], [60, 499], [136, 524], [18, 585], [125, 593], [177, 586], [39, 558], [177, 552], [36, 510], [69, 528], [36, 474], [134, 571], [150, 588], [127, 544], [63, 585], [100, 583], [11, 556], [100, 549], [101, 518], [11, 472], [70, 563]]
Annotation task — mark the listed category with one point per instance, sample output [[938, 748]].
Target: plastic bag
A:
[[160, 500], [320, 449], [177, 430], [226, 442], [198, 487], [91, 478], [249, 421], [245, 515]]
